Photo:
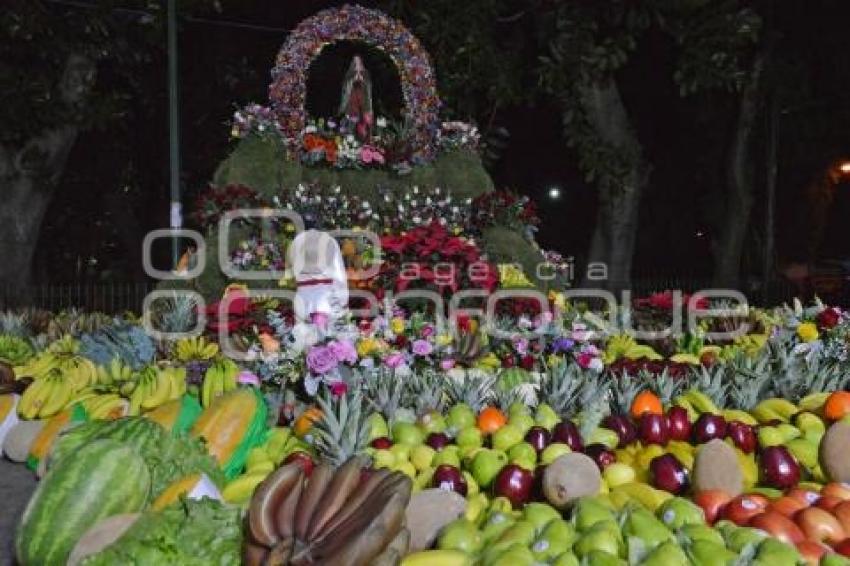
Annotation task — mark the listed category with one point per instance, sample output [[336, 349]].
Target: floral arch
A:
[[288, 90]]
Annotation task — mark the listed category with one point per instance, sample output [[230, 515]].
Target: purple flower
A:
[[447, 364], [247, 378], [344, 351], [320, 319], [427, 330], [422, 347], [562, 345], [394, 360], [321, 359], [521, 346]]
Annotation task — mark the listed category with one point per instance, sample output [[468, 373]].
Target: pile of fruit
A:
[[172, 453]]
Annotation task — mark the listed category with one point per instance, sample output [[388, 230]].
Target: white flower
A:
[[310, 129], [381, 121]]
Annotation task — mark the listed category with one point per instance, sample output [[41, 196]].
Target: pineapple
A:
[[474, 388], [594, 403], [561, 386], [385, 393], [750, 379], [624, 388], [426, 388], [666, 386], [712, 382], [14, 324], [342, 432]]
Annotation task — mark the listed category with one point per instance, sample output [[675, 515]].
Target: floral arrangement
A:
[[355, 23], [215, 201], [431, 257], [504, 208], [459, 135], [334, 143], [254, 119]]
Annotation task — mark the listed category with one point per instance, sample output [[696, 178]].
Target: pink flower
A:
[[321, 359], [320, 319], [248, 378], [521, 346], [447, 364], [370, 154], [394, 360], [338, 388], [422, 347], [344, 351], [427, 331]]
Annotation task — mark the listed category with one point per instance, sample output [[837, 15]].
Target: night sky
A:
[[125, 165]]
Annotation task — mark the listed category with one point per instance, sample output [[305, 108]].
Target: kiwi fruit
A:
[[834, 447], [569, 477], [716, 467]]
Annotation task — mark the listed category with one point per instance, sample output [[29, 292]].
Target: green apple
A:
[[604, 536], [377, 426], [566, 559], [602, 558], [696, 533], [588, 511], [486, 465], [516, 555], [708, 553], [522, 421], [833, 559], [619, 473], [432, 421], [642, 524], [401, 452], [507, 436], [449, 457], [737, 538], [546, 417], [773, 552], [518, 408], [553, 452], [460, 416], [406, 468], [472, 488], [666, 554], [521, 532], [422, 456], [496, 524], [557, 538], [461, 534], [383, 459], [769, 436], [678, 512], [423, 478], [469, 437], [540, 514], [523, 454], [407, 433]]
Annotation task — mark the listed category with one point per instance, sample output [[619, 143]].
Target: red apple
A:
[[743, 435], [381, 443], [787, 506], [623, 426], [437, 440], [516, 483], [843, 548], [601, 454], [779, 469], [744, 507], [811, 551], [712, 502], [653, 429], [678, 424], [708, 427], [779, 526], [828, 502], [820, 525], [538, 437], [669, 474], [567, 433], [302, 459], [837, 489], [449, 478]]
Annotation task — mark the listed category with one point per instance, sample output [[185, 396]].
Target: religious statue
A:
[[319, 272], [356, 103]]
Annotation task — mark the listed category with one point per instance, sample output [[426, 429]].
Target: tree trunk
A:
[[29, 173], [619, 197], [729, 244]]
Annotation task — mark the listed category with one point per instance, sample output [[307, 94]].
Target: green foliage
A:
[[122, 340]]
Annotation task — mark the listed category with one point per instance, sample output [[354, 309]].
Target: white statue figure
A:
[[319, 272]]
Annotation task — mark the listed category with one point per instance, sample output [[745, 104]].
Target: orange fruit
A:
[[646, 402], [837, 405], [491, 419], [305, 421]]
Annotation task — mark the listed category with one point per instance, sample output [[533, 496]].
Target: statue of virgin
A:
[[356, 103]]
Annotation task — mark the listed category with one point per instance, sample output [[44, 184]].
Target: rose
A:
[[338, 388], [344, 351], [527, 362], [828, 318], [422, 347], [321, 359]]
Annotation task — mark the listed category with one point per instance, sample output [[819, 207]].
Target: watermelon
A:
[[141, 433], [104, 478]]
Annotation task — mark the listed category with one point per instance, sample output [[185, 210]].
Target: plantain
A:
[[280, 553], [378, 480], [269, 494], [342, 486], [319, 481], [284, 515]]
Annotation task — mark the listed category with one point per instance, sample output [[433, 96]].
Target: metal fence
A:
[[112, 298]]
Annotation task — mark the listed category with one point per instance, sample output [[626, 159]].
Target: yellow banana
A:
[[33, 399], [178, 382], [701, 402], [738, 415], [61, 393], [813, 402], [680, 401], [646, 495], [782, 407], [443, 557], [161, 391]]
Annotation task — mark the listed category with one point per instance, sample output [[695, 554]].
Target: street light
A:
[[554, 193], [844, 167]]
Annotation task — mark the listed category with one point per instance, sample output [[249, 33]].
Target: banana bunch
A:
[[330, 517], [116, 373], [104, 405], [38, 366], [45, 396], [219, 379], [80, 372], [157, 386], [195, 348]]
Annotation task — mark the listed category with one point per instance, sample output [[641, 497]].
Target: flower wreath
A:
[[351, 22]]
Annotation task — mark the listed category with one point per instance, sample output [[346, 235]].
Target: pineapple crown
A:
[[342, 432]]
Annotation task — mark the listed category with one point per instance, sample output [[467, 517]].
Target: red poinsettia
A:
[[236, 314]]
